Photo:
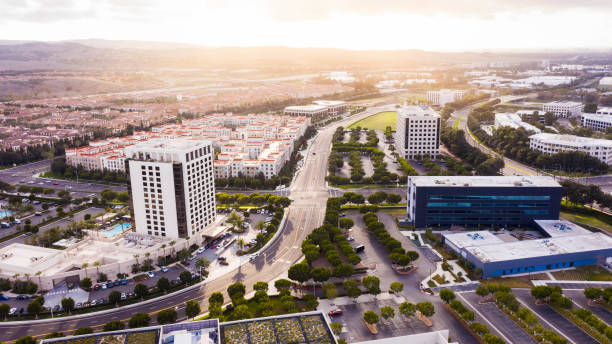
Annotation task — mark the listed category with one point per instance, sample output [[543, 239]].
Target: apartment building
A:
[[596, 121], [513, 120], [247, 145], [417, 131], [442, 97], [172, 187], [564, 109], [555, 143]]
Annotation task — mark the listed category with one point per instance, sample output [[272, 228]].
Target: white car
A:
[[201, 250], [12, 311], [151, 274], [253, 256]]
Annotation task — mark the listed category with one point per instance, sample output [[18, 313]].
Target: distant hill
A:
[[99, 54]]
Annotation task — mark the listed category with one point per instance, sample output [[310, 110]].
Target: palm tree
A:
[[241, 242], [260, 225], [16, 276], [172, 243], [38, 273], [84, 267], [136, 257], [97, 265], [163, 247], [27, 276]]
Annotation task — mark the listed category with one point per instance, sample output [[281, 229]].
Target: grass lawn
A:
[[584, 273], [587, 216], [456, 123], [379, 121], [516, 282]]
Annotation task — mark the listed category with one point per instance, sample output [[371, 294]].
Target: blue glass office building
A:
[[479, 200]]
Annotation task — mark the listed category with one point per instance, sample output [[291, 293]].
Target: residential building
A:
[[246, 144], [563, 245], [564, 109], [442, 97], [597, 121], [555, 143], [172, 187], [604, 111], [514, 121], [478, 200], [417, 131]]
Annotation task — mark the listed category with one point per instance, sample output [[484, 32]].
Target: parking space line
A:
[[546, 321], [485, 318]]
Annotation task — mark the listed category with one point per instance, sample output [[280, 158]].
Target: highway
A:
[[309, 194]]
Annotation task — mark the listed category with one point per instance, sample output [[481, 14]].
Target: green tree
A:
[[300, 272], [396, 287], [282, 285], [426, 308], [55, 334], [387, 312], [372, 284], [330, 290], [482, 290], [593, 294], [236, 288], [86, 283], [192, 308], [343, 271], [139, 320], [185, 277], [479, 328], [370, 317], [346, 223], [447, 295], [83, 330], [320, 274], [352, 289], [141, 290], [492, 339], [25, 340], [67, 304], [114, 297], [241, 312], [260, 286], [216, 298], [163, 284], [311, 301], [336, 328], [114, 325], [407, 309], [4, 311], [35, 308], [166, 316], [541, 292]]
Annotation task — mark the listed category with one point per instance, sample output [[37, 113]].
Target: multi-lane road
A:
[[309, 194]]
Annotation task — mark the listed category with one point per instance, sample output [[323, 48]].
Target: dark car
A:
[[22, 297], [21, 310], [96, 287], [335, 312], [109, 284], [123, 282], [116, 283]]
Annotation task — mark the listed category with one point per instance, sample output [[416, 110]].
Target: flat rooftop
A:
[[484, 181], [26, 256], [559, 228], [541, 247], [165, 145], [417, 110], [476, 238], [306, 108], [599, 116], [571, 140]]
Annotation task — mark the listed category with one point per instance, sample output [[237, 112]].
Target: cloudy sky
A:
[[353, 24]]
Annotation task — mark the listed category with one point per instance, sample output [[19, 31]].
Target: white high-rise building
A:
[[563, 108], [417, 131], [596, 121], [604, 111], [172, 187], [442, 97]]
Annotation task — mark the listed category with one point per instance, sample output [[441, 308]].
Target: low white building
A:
[[555, 143], [417, 131], [442, 97], [604, 111], [435, 337], [315, 111], [605, 81], [563, 109], [599, 122], [513, 120]]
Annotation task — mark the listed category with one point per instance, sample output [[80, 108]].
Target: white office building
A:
[[563, 109], [513, 120], [172, 187], [555, 143], [599, 122], [604, 111], [442, 97], [605, 81], [417, 131], [319, 109]]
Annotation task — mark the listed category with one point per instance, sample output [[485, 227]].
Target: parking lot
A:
[[578, 297], [352, 320], [553, 320], [495, 319]]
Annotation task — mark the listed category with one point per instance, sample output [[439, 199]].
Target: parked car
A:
[[79, 305], [17, 221], [164, 269], [335, 312], [104, 286], [4, 298], [12, 311], [116, 283], [151, 274], [123, 296], [109, 285], [96, 287], [93, 302], [350, 239], [201, 250], [22, 297], [123, 282]]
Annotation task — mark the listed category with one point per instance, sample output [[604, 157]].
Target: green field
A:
[[378, 121], [586, 216]]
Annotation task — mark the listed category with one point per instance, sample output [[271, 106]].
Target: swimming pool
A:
[[117, 229], [5, 213]]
